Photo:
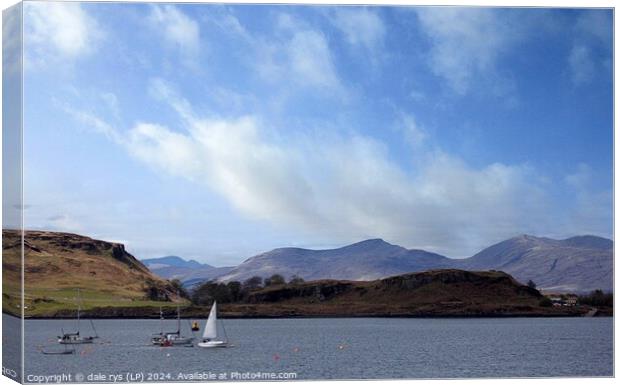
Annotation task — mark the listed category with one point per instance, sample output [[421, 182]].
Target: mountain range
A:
[[188, 272], [577, 264], [113, 283]]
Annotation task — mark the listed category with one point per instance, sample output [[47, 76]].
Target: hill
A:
[[58, 263], [188, 272], [172, 261], [578, 264], [437, 293], [447, 292], [366, 260], [111, 278]]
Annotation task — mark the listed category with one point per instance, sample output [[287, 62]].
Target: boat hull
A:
[[182, 341], [72, 351], [172, 341], [213, 344], [76, 341]]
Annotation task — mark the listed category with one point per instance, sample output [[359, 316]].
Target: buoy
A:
[[276, 357]]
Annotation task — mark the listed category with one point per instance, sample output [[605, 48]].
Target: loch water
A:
[[332, 348]]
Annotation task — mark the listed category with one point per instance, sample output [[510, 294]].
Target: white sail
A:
[[210, 331]]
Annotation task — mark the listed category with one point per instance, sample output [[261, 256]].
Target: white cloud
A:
[[59, 31], [591, 212], [310, 59], [298, 55], [466, 42], [344, 188], [62, 222], [178, 30], [417, 95], [581, 178], [361, 26], [413, 133], [295, 55], [94, 122], [111, 101]]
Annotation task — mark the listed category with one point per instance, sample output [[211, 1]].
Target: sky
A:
[[216, 132]]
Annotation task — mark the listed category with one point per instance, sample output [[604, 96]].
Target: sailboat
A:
[[75, 338], [171, 338], [209, 336]]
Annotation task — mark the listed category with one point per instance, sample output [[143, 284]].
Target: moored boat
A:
[[171, 338], [75, 338]]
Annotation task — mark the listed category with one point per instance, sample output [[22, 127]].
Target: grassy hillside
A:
[[58, 263], [439, 293]]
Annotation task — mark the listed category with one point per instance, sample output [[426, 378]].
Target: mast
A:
[[78, 311], [178, 315], [224, 328], [161, 321]]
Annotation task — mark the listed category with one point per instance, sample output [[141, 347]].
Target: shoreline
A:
[[327, 315]]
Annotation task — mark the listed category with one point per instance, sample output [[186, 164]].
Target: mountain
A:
[[172, 261], [577, 264], [188, 272], [56, 264], [590, 242], [366, 260]]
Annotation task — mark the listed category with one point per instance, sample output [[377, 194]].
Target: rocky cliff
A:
[[56, 264]]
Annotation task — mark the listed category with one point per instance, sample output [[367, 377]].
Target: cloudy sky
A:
[[217, 132]]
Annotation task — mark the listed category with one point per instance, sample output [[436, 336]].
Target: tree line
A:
[[597, 298], [235, 291]]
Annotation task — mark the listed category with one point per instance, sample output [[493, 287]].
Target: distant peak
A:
[[531, 238], [174, 260], [589, 241], [369, 244], [373, 241], [587, 237], [526, 237]]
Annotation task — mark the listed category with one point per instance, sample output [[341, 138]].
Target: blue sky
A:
[[216, 132]]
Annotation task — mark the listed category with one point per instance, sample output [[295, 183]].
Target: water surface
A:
[[342, 348]]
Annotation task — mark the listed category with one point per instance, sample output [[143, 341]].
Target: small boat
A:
[[210, 334], [171, 338], [66, 351], [75, 338]]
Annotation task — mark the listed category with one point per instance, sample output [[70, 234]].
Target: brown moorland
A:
[[56, 264]]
